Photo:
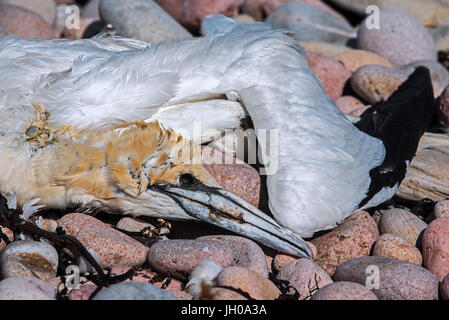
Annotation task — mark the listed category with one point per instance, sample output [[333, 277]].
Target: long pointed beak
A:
[[224, 209]]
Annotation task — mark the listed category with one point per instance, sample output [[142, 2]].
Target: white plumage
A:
[[324, 161]]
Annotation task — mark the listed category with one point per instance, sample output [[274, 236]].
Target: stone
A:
[[248, 281], [190, 13], [324, 48], [25, 288], [134, 291], [305, 276], [308, 22], [245, 251], [29, 258], [442, 209], [444, 288], [24, 23], [401, 39], [239, 179], [391, 246], [44, 8], [141, 19], [354, 59], [260, 9], [281, 260], [112, 247], [402, 223], [430, 13], [225, 294], [179, 257], [344, 290], [398, 280], [353, 238], [376, 83], [350, 105], [332, 73], [435, 247], [133, 224], [91, 10], [83, 292]]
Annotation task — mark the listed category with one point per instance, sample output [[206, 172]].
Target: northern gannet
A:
[[72, 130]]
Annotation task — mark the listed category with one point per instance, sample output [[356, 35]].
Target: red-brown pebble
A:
[[435, 246], [353, 238], [151, 277], [332, 73], [354, 59], [112, 247], [344, 290], [281, 260], [179, 257], [391, 246], [246, 252], [305, 276], [24, 23], [249, 282], [348, 104], [190, 13], [238, 178]]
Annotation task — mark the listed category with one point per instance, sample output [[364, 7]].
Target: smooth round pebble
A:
[[24, 23], [179, 257], [435, 246], [401, 39], [401, 223], [332, 73], [390, 279], [305, 276], [308, 22], [354, 59], [353, 238], [391, 246], [190, 13], [26, 288], [44, 8], [344, 290], [442, 209], [248, 281], [245, 251], [83, 292], [148, 276], [141, 19], [133, 224], [134, 291], [29, 258], [112, 247]]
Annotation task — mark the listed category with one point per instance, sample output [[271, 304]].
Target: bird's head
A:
[[142, 169]]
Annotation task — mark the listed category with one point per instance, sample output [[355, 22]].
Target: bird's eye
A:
[[186, 179]]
